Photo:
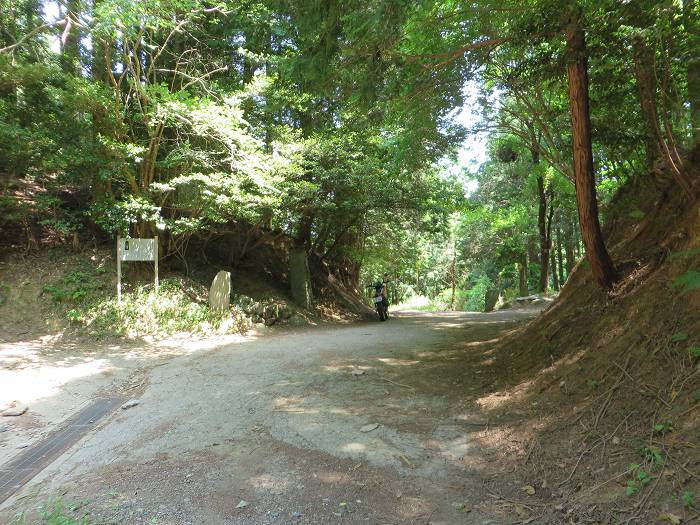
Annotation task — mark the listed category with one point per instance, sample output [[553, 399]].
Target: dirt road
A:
[[366, 423]]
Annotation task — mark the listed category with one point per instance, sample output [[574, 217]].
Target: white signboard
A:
[[137, 249], [130, 249]]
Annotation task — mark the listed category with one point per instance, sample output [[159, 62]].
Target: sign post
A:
[[131, 249]]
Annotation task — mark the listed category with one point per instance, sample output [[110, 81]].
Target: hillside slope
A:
[[603, 391]]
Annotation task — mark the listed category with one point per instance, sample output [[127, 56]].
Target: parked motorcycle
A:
[[380, 302]]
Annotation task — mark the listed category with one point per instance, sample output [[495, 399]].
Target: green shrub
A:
[[75, 287], [86, 301], [143, 311], [4, 293]]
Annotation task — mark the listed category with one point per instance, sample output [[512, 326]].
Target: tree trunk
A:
[[646, 84], [522, 276], [577, 71], [651, 148], [691, 20], [454, 278], [544, 238], [70, 49], [560, 258], [303, 237], [569, 249], [555, 276]]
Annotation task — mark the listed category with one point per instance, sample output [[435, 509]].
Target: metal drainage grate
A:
[[18, 471]]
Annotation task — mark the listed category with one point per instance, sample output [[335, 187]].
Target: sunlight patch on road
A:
[[345, 367], [332, 477], [274, 484], [392, 361], [291, 405], [354, 448], [28, 385]]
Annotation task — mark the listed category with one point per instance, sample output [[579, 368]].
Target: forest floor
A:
[[280, 428]]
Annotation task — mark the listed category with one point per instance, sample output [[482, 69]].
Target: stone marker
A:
[[300, 277], [490, 300], [220, 291]]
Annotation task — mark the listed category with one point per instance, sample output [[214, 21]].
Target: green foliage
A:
[[331, 123], [688, 499], [653, 454], [685, 254], [663, 428], [143, 312], [87, 298], [593, 383], [688, 281], [640, 479], [694, 351], [679, 336], [76, 287], [4, 292], [55, 511]]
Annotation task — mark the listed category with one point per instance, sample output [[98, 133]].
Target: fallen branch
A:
[[397, 384], [643, 386], [530, 506], [610, 393], [599, 485], [529, 452], [579, 461]]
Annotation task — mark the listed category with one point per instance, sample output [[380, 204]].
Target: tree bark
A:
[[541, 221], [555, 276], [651, 148], [303, 237], [577, 71], [569, 247], [70, 49], [545, 241], [560, 258], [454, 277], [646, 84], [522, 276], [691, 20]]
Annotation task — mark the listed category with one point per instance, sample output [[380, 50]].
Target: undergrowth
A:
[[57, 512], [471, 299], [86, 299]]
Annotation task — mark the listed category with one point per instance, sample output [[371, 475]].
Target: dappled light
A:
[[295, 263], [391, 361]]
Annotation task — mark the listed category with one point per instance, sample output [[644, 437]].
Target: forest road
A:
[[361, 423]]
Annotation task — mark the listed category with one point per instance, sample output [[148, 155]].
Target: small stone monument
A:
[[490, 300], [220, 291], [300, 277]]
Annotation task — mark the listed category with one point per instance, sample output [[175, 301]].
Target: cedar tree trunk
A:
[[577, 72]]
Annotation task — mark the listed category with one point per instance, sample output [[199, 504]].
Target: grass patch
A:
[[57, 512], [86, 298], [145, 312]]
